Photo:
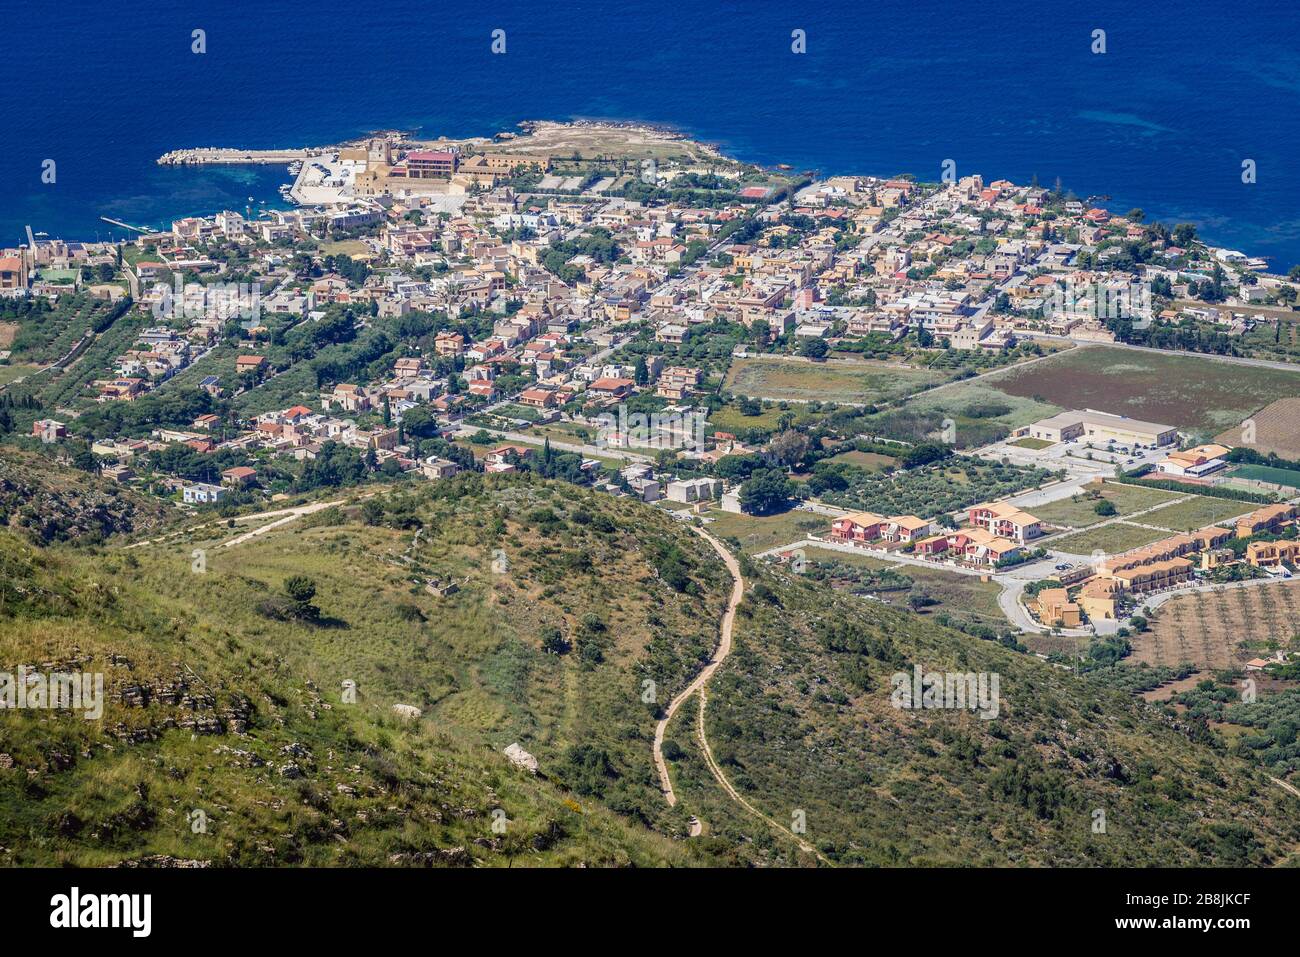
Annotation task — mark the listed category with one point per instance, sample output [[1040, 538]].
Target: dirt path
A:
[[280, 513], [719, 655], [1284, 786], [724, 649]]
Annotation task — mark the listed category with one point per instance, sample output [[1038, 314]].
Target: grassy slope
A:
[[313, 780], [474, 665], [794, 730]]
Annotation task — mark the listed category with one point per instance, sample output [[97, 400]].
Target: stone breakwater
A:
[[213, 155]]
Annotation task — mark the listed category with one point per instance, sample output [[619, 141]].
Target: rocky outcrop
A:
[[51, 504]]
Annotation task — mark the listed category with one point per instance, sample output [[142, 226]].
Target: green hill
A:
[[799, 718], [508, 610]]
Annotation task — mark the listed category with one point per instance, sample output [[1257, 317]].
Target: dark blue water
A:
[[1162, 120]]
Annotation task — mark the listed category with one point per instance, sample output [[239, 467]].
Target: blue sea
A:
[[1162, 120]]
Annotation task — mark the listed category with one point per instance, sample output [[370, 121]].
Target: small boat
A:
[[295, 167]]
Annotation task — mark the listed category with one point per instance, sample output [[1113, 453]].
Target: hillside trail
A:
[[698, 684]]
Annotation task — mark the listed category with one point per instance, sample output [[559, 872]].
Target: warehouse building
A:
[[1093, 426]]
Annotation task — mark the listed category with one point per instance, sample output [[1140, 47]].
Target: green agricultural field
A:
[[1197, 393], [867, 461], [8, 373], [864, 383], [936, 489], [730, 419], [1112, 539], [980, 414], [1080, 511], [513, 410], [345, 247], [1034, 445], [46, 334], [569, 432], [1196, 513]]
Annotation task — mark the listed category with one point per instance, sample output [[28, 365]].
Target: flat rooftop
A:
[[1107, 419]]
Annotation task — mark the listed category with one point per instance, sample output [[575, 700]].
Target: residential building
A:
[[201, 493], [1266, 519], [1005, 521], [239, 476], [1054, 608], [858, 528]]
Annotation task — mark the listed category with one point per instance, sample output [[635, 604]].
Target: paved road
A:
[[1010, 602], [1155, 601]]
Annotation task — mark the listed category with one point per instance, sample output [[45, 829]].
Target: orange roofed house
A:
[[1005, 521], [857, 528], [1264, 519], [13, 273], [239, 476], [1154, 576], [1272, 554], [538, 398], [1055, 609], [612, 388], [976, 545], [500, 459], [449, 344]]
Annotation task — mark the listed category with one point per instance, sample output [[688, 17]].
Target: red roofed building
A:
[[612, 388], [427, 164], [238, 476], [537, 398], [13, 273]]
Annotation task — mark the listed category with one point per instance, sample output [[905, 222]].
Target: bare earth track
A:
[[698, 684]]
